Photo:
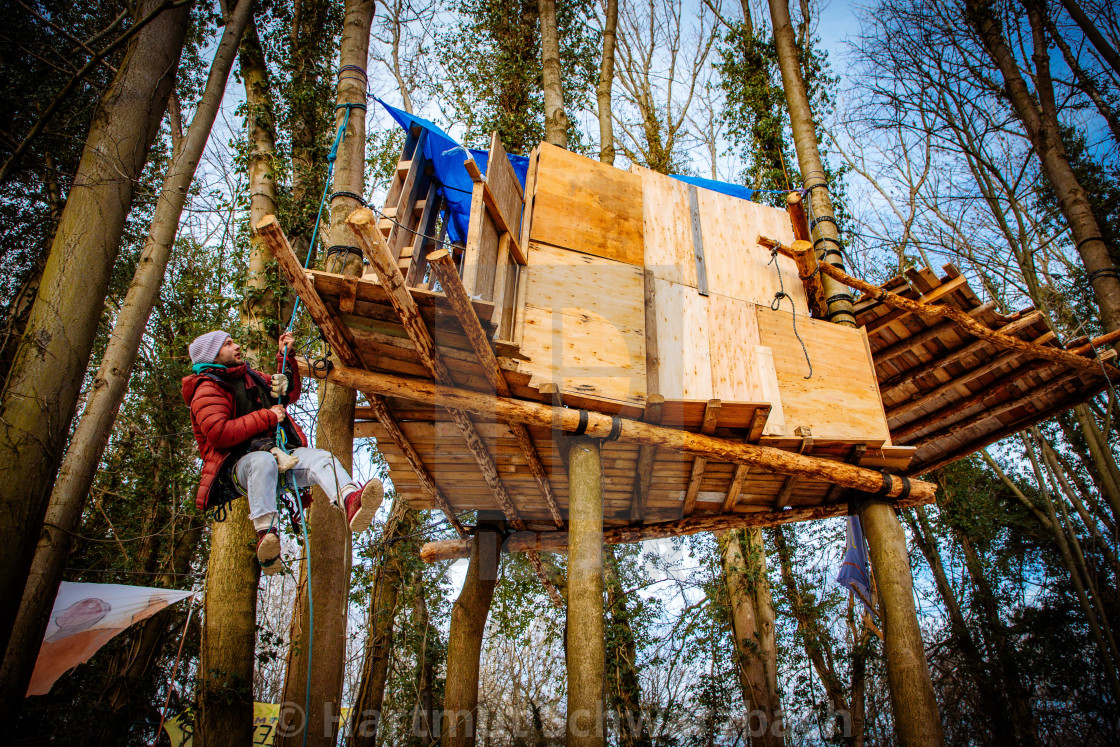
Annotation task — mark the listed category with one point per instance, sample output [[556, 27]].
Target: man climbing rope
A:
[[240, 423]]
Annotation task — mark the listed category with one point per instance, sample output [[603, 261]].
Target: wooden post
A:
[[585, 645], [916, 719], [464, 641]]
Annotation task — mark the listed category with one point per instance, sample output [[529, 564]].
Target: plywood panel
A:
[[841, 400], [587, 206], [732, 335], [684, 358], [668, 231], [737, 266], [584, 324]]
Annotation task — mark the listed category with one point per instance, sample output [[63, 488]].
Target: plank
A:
[[586, 205], [732, 329], [697, 241], [665, 228], [711, 417]]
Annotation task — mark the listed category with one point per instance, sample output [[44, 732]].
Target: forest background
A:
[[930, 161]]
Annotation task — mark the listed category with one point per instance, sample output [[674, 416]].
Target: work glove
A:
[[279, 385], [283, 461]]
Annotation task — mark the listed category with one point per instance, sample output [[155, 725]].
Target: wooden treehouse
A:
[[637, 308]]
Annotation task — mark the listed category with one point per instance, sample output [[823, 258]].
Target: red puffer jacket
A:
[[218, 431]]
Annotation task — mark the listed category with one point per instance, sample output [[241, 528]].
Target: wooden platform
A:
[[949, 393], [677, 485]]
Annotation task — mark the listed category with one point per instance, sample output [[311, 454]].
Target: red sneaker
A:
[[362, 504], [268, 551]]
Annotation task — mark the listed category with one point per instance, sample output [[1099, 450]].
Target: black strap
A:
[[353, 68], [1086, 240], [838, 312], [827, 238], [616, 429], [344, 249], [905, 489], [824, 219], [351, 106], [886, 487], [810, 187], [351, 195], [837, 298], [1105, 272], [582, 424]]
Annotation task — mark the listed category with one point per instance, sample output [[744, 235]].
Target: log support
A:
[[598, 425], [585, 643]]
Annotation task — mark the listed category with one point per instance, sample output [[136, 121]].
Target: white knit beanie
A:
[[205, 347]]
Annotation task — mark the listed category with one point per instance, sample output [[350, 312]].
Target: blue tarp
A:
[[447, 156], [735, 190]]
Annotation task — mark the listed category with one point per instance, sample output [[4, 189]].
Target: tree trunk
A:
[[916, 718], [606, 82], [423, 722], [625, 695], [71, 489], [329, 553], [555, 118], [46, 376], [1093, 34], [1040, 120], [459, 721], [262, 310], [825, 234], [584, 640], [229, 630], [365, 717], [743, 561]]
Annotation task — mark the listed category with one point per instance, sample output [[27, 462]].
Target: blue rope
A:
[[281, 437], [323, 200]]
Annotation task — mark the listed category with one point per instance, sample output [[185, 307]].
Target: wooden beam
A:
[[444, 266], [807, 265], [336, 335], [557, 542], [791, 480], [647, 453], [707, 427], [390, 424], [495, 212], [895, 383], [739, 479], [342, 343], [598, 425], [1026, 398], [902, 435], [965, 322], [798, 218]]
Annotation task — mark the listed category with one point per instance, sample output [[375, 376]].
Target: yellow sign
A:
[[265, 717]]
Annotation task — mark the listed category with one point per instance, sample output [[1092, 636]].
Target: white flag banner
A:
[[85, 617]]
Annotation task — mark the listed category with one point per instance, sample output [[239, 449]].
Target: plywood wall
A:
[[587, 206], [584, 324], [841, 401]]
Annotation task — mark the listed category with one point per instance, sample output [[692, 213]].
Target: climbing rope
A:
[[777, 303]]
